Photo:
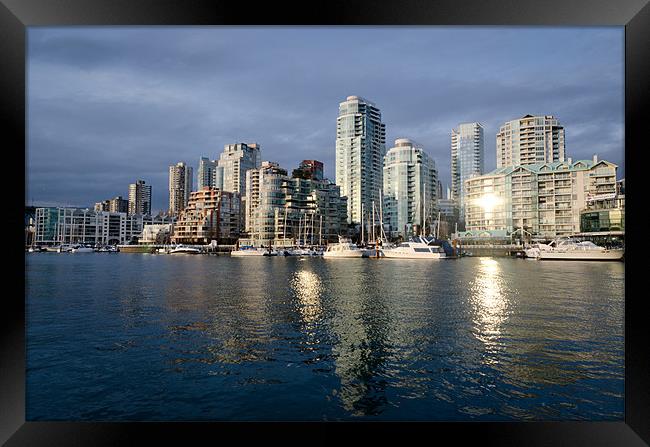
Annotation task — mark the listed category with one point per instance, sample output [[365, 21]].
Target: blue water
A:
[[181, 337]]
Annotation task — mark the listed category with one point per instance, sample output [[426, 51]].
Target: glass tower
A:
[[467, 147], [360, 149]]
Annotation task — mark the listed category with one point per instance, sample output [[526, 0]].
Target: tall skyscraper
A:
[[467, 147], [360, 150], [235, 160], [140, 198], [529, 140], [180, 186], [410, 188], [206, 173]]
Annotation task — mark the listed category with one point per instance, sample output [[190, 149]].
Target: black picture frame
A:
[[16, 15]]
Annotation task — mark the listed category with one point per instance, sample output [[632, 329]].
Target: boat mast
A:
[[361, 223], [382, 234], [299, 228], [312, 229], [284, 227], [374, 240], [320, 231]]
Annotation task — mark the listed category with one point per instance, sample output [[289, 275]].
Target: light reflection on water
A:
[[167, 338]]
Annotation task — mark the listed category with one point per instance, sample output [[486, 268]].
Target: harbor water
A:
[[157, 337]]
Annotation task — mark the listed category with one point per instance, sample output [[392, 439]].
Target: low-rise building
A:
[[210, 214], [83, 226], [542, 199]]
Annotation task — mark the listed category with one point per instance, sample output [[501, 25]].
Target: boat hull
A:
[[609, 255], [401, 255]]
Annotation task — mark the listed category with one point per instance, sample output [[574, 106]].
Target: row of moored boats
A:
[[415, 248]]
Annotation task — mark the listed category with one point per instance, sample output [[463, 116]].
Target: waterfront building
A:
[[206, 175], [542, 199], [448, 212], [309, 169], [467, 147], [82, 226], [30, 225], [285, 210], [139, 198], [605, 214], [530, 140], [180, 187], [410, 190], [210, 214], [156, 234], [264, 194], [360, 150]]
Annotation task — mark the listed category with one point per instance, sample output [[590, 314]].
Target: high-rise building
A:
[[206, 175], [530, 140], [360, 150], [410, 189], [235, 160], [467, 147], [139, 198], [287, 210], [543, 199], [180, 187]]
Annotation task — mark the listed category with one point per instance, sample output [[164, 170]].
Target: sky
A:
[[110, 105]]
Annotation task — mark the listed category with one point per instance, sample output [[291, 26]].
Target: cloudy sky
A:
[[110, 105]]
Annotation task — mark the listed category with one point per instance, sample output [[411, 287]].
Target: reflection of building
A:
[[285, 210], [139, 198], [530, 140], [466, 159], [360, 149], [83, 226], [180, 186], [544, 199], [410, 189], [210, 214]]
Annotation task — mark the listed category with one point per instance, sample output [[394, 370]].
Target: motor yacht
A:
[[182, 249], [345, 249], [249, 251], [570, 249], [82, 249], [415, 248]]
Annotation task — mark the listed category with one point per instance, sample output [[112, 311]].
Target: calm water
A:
[[154, 337]]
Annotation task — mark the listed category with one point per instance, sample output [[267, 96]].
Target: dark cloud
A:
[[108, 106]]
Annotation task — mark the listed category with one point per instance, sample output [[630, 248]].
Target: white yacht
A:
[[532, 252], [416, 248], [82, 249], [182, 249], [249, 251], [570, 249], [345, 249]]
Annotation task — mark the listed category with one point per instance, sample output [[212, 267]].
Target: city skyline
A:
[[110, 96]]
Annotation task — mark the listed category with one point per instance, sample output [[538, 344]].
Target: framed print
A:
[[350, 217]]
